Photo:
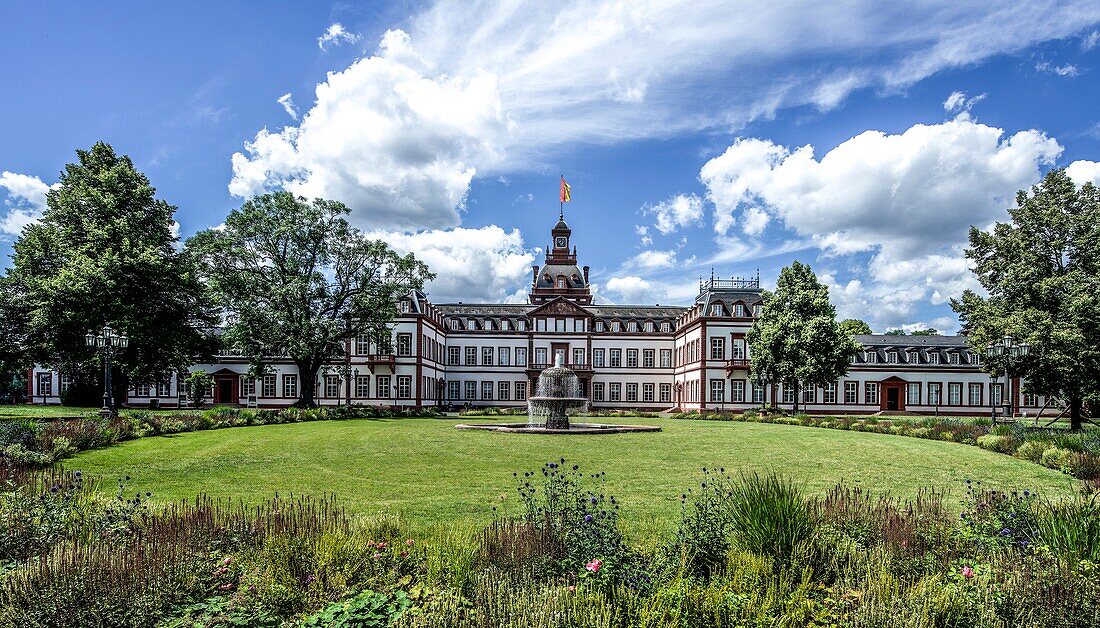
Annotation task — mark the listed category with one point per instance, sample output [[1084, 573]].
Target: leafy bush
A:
[[1056, 458], [997, 443], [366, 610], [703, 535], [1031, 450], [1071, 529], [18, 432]]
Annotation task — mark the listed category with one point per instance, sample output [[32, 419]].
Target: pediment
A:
[[560, 307]]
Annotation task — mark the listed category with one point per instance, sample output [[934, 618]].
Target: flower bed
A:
[[33, 443], [1074, 453]]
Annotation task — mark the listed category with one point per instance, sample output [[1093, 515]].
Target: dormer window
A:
[[892, 357], [471, 324], [756, 309], [649, 327], [666, 327], [870, 357], [599, 326], [739, 310], [632, 327], [405, 306], [454, 323], [615, 326], [933, 358], [953, 358], [561, 281], [716, 309]]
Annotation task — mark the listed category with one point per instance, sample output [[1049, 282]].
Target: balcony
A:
[[375, 360], [738, 364]]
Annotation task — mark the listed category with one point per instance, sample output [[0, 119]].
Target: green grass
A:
[[431, 473], [39, 411]]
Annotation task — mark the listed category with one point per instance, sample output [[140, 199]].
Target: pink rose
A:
[[967, 572], [594, 566]]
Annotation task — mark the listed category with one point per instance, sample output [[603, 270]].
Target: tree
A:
[[295, 279], [928, 331], [104, 253], [796, 339], [1042, 275], [855, 327], [198, 386], [895, 332]]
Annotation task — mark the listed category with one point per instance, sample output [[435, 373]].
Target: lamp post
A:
[[1006, 352], [109, 342]]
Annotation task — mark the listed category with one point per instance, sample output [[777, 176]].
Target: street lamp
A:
[[1006, 352], [109, 342]]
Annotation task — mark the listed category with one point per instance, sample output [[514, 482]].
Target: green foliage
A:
[[1071, 530], [769, 515], [796, 339], [294, 278], [703, 535], [855, 327], [365, 610], [1040, 271], [198, 384], [104, 253]]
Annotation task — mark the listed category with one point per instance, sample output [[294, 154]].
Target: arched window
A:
[[561, 281]]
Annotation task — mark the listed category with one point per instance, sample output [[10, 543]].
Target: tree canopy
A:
[[104, 254], [293, 278], [855, 327], [796, 339], [1041, 271]]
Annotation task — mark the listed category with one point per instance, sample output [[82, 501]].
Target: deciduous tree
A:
[[1041, 271], [855, 327], [295, 279], [796, 339]]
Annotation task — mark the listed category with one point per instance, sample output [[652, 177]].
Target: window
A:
[[666, 358], [998, 394], [716, 309], [757, 309], [248, 388], [953, 359], [502, 391], [404, 344], [935, 394], [540, 355], [737, 391], [739, 310], [870, 357], [975, 359], [647, 358], [851, 392], [616, 358], [632, 358], [809, 394], [561, 281], [332, 386], [933, 357], [290, 385], [870, 393], [892, 357], [717, 390], [471, 356], [521, 391], [559, 324], [362, 386], [269, 386], [404, 386], [830, 393], [453, 390], [578, 325], [504, 356], [975, 397], [597, 391], [615, 326], [164, 389], [405, 307], [632, 327], [362, 344], [453, 355], [647, 393], [521, 356], [67, 382], [44, 384], [912, 393], [649, 327], [141, 390], [718, 348], [1031, 400], [486, 356], [954, 394], [632, 392], [614, 391], [454, 323], [738, 350], [578, 355], [757, 392], [471, 325], [788, 393], [666, 393], [666, 327], [382, 387], [597, 358]]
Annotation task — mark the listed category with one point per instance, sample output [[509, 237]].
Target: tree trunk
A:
[[797, 392], [307, 389], [1076, 413]]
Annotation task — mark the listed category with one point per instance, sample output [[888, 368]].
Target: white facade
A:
[[644, 357]]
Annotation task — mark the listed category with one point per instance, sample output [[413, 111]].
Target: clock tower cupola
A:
[[560, 276]]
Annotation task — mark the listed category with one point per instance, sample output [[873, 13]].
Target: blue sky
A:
[[699, 134]]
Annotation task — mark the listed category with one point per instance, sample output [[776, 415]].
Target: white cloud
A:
[[1068, 70], [25, 204], [1089, 42], [630, 289], [288, 105], [957, 102], [652, 260], [1083, 172], [907, 199], [501, 85], [472, 265], [396, 145], [335, 35], [682, 210]]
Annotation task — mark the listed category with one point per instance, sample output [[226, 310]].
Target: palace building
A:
[[626, 356]]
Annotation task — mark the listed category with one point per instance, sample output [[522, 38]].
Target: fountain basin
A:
[[574, 428]]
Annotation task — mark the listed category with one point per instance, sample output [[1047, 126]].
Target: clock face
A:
[[560, 242]]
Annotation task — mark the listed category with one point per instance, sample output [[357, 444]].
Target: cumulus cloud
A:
[[25, 203], [1083, 172], [288, 105], [630, 289], [652, 260], [682, 210], [906, 200], [487, 264], [335, 35], [395, 143]]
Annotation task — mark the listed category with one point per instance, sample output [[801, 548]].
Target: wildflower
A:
[[588, 518], [572, 588], [404, 554], [227, 586], [409, 542], [594, 565], [377, 556], [967, 572]]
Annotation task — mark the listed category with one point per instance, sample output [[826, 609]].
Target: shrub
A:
[[18, 432], [1083, 465], [1056, 458], [702, 537], [1031, 450], [997, 443], [769, 515], [366, 610]]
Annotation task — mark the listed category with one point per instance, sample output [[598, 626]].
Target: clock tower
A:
[[560, 276]]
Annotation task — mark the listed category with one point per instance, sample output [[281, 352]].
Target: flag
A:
[[565, 191]]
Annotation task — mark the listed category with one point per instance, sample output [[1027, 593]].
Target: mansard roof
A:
[[912, 342], [635, 311], [485, 309], [547, 276]]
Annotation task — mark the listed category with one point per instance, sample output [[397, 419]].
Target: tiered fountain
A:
[[558, 394]]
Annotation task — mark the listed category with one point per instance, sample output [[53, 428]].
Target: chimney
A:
[[585, 275], [534, 274]]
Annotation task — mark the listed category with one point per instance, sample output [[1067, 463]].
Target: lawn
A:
[[431, 473]]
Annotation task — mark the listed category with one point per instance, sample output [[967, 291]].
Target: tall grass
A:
[[769, 515], [1071, 529]]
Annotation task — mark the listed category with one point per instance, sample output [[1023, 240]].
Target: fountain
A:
[[557, 394]]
